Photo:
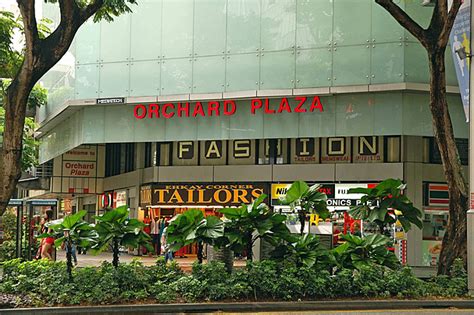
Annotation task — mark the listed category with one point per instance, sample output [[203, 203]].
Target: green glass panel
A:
[[115, 39], [313, 68], [351, 65], [176, 76], [94, 127], [354, 115], [181, 128], [388, 113], [114, 79], [416, 63], [177, 28], [314, 20], [277, 70], [456, 111], [242, 72], [208, 74], [280, 125], [451, 78], [416, 115], [387, 63], [150, 129], [278, 24], [420, 14], [384, 27], [316, 123], [213, 128], [209, 27], [119, 124], [146, 30], [351, 22], [244, 125], [243, 26], [145, 78], [88, 37], [87, 81]]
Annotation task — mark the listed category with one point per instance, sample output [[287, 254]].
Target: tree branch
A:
[[27, 9], [91, 9], [449, 22], [405, 20]]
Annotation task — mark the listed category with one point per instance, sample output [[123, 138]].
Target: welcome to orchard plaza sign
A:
[[303, 104]]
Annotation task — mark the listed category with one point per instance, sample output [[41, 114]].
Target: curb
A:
[[337, 305]]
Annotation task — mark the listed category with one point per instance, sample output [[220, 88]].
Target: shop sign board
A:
[[438, 195], [204, 194], [145, 195], [300, 104], [120, 198], [339, 197], [82, 153], [79, 169]]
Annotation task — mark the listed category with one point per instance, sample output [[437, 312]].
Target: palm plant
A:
[[305, 251], [117, 229], [385, 204], [306, 200], [191, 227], [359, 252], [72, 231], [248, 223]]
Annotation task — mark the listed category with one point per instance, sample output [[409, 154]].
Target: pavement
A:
[[90, 260]]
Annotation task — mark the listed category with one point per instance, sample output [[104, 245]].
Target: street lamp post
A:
[[470, 213]]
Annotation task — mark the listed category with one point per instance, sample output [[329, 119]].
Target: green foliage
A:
[[117, 229], [8, 246], [44, 283], [29, 155], [191, 226], [385, 204], [306, 251], [246, 224], [360, 252], [307, 199]]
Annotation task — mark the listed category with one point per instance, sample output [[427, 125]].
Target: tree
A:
[[116, 229], [73, 231], [243, 226], [385, 204], [191, 227], [306, 200], [39, 56], [435, 39]]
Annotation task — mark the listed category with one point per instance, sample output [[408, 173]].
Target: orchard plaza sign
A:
[[302, 104]]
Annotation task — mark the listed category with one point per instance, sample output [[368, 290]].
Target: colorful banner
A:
[[460, 49]]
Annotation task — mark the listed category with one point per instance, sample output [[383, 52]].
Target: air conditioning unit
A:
[[428, 3]]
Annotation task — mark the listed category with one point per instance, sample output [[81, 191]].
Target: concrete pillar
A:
[[470, 251]]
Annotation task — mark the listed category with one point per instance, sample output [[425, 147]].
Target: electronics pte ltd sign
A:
[[301, 104]]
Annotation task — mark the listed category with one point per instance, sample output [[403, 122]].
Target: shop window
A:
[[461, 144], [119, 158], [273, 151], [434, 228], [148, 154], [392, 149]]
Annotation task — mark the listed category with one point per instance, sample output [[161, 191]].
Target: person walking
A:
[[155, 234]]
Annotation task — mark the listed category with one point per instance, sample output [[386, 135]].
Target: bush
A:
[[44, 283]]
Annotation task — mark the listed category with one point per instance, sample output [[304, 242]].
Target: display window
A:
[[434, 227]]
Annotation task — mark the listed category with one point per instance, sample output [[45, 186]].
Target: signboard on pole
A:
[[460, 49]]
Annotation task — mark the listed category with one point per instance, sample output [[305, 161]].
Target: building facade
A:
[[206, 103]]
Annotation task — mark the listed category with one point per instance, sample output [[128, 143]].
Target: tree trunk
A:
[[249, 248], [302, 218], [455, 239], [115, 261], [10, 151], [199, 252], [69, 258], [224, 255]]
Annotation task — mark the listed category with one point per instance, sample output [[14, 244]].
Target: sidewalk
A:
[[95, 260]]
